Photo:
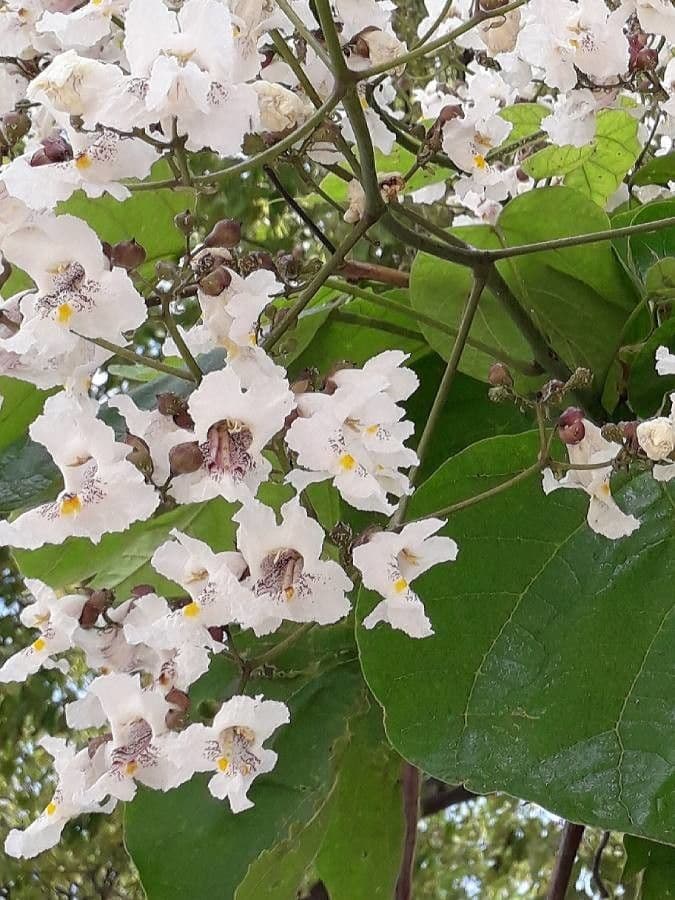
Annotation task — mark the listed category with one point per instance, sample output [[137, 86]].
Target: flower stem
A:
[[183, 349], [134, 357]]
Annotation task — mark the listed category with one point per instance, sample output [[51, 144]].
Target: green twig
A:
[[134, 357], [182, 347]]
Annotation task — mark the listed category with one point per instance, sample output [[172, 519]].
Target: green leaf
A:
[[641, 251], [547, 676], [656, 864], [27, 476], [647, 389], [597, 169], [361, 852], [660, 280], [525, 118], [187, 844], [146, 216], [439, 288], [21, 404], [659, 170], [580, 296]]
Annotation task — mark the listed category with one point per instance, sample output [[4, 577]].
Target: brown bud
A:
[[217, 632], [225, 233], [89, 615], [571, 429], [612, 432], [139, 455], [170, 404], [449, 112], [167, 270], [184, 221], [629, 432], [491, 5], [174, 719], [184, 420], [185, 458], [499, 376], [645, 60], [177, 698], [14, 126], [329, 385], [262, 260], [522, 175], [128, 254], [216, 282], [102, 599], [53, 150], [142, 590], [552, 390]]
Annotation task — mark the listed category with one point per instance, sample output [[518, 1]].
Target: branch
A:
[[567, 853], [437, 796], [358, 270], [340, 315], [133, 357], [479, 281], [596, 878], [300, 212], [179, 341], [410, 783]]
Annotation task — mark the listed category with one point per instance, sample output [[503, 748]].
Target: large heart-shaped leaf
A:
[[547, 677]]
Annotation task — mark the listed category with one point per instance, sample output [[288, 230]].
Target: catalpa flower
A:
[[665, 361], [141, 743], [82, 27], [233, 426], [604, 516], [76, 771], [158, 432], [98, 163], [232, 747], [288, 579], [657, 17], [57, 619], [468, 140], [102, 491], [657, 438], [77, 292], [389, 562]]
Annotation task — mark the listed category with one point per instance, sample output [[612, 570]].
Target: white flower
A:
[[232, 747], [356, 198], [657, 17], [280, 110], [380, 47], [76, 289], [288, 578], [656, 437], [57, 618], [665, 361], [233, 426], [157, 431], [74, 85], [99, 162], [390, 561], [561, 36], [141, 744], [604, 516], [573, 119], [668, 82], [251, 20], [467, 141], [102, 491], [82, 27], [76, 771]]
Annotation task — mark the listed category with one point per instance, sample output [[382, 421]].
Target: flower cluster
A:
[[101, 95]]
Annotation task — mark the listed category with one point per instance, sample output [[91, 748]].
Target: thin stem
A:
[[265, 156], [596, 878], [411, 784], [578, 240], [279, 648], [439, 43], [336, 61], [368, 271], [479, 281], [340, 315], [134, 357], [484, 495], [404, 310], [300, 212], [174, 331], [567, 853], [302, 30], [434, 25], [327, 269]]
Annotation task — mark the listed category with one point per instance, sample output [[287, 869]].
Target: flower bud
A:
[[216, 282], [645, 60], [499, 394], [184, 221], [499, 376], [128, 254], [185, 458], [571, 428], [14, 126], [174, 719], [657, 438], [177, 698], [217, 632], [139, 455], [552, 390], [449, 112], [579, 379], [53, 150], [492, 5], [170, 404], [629, 434], [142, 590], [225, 233]]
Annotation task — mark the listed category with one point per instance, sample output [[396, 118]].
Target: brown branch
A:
[[355, 270], [410, 782], [437, 796], [567, 853], [596, 878]]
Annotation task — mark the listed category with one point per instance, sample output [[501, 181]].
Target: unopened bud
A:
[[139, 455], [552, 391], [216, 282], [217, 632], [645, 60], [128, 254], [142, 590], [612, 432], [89, 615], [184, 221], [571, 428], [499, 394], [167, 270], [580, 379], [14, 126], [225, 233], [170, 404], [177, 698], [449, 112], [174, 719], [499, 376], [491, 5], [630, 436], [53, 150], [185, 458]]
